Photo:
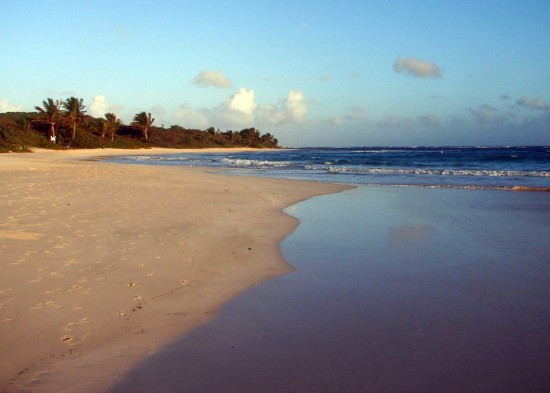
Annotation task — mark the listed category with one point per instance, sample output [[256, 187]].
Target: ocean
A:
[[456, 167], [442, 286]]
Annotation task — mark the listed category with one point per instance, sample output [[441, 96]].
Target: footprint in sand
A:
[[52, 303], [122, 314], [132, 284], [67, 338]]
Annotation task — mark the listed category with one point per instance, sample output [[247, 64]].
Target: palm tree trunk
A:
[[74, 132], [52, 129]]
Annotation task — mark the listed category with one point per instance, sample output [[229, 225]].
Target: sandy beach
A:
[[102, 264]]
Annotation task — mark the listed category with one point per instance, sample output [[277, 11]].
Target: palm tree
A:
[[143, 121], [74, 110], [51, 110], [110, 125]]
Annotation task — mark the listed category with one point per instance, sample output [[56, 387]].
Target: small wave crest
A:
[[420, 171], [258, 164]]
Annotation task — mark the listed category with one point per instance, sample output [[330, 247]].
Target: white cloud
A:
[[244, 101], [239, 110], [293, 109], [5, 106], [533, 103], [296, 106], [212, 78], [242, 110], [416, 67], [99, 106]]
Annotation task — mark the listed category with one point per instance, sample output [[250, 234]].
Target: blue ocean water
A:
[[458, 167]]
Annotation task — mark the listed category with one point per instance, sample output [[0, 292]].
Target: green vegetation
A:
[[143, 121], [74, 112], [64, 124]]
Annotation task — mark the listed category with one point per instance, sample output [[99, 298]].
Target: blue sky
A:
[[313, 73]]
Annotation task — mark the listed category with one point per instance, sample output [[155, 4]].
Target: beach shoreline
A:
[[103, 264]]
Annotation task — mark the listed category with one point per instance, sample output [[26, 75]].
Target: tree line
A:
[[64, 123]]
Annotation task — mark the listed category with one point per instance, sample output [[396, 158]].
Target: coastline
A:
[[103, 264], [396, 289]]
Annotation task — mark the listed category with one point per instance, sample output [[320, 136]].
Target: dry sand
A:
[[102, 264]]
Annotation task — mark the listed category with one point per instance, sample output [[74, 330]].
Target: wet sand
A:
[[395, 290], [102, 264]]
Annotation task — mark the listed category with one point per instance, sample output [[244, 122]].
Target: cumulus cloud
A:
[[99, 106], [293, 109], [239, 110], [416, 67], [296, 106], [212, 78], [5, 106], [244, 101], [533, 103], [242, 110]]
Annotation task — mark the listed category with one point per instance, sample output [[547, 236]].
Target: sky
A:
[[312, 73]]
